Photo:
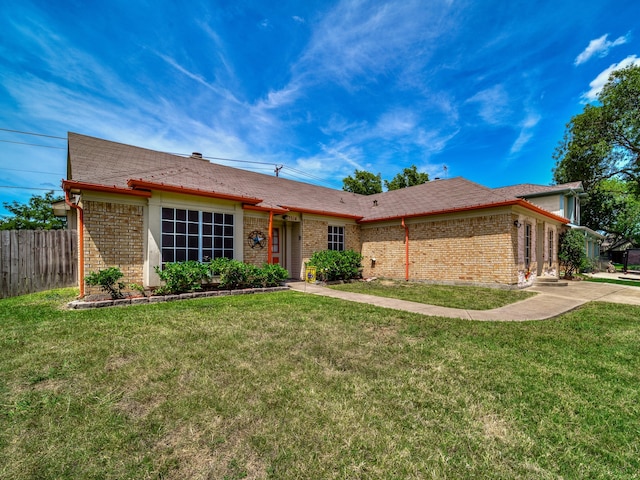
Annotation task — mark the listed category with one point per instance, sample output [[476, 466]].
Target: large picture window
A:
[[336, 238], [195, 235]]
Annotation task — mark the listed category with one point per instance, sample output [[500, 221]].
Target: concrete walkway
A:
[[549, 301]]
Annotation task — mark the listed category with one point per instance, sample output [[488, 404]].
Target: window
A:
[[527, 244], [550, 252], [195, 235], [275, 241], [336, 238]]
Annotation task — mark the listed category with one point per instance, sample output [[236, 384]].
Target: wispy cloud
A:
[[526, 132], [493, 105], [600, 47], [597, 83]]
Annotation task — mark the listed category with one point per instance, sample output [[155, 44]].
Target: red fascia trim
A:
[[323, 212], [507, 203], [257, 208], [141, 184], [72, 184]]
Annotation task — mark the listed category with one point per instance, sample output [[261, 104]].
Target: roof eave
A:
[[68, 185], [143, 185]]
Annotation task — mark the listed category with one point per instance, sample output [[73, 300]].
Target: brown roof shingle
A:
[[102, 162]]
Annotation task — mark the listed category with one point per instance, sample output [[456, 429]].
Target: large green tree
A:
[[362, 182], [37, 214], [407, 178], [601, 143]]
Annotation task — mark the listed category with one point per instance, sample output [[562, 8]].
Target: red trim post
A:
[[80, 240]]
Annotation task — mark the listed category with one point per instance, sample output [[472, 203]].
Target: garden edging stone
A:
[[81, 304]]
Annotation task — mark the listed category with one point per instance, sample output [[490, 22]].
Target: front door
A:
[[275, 246]]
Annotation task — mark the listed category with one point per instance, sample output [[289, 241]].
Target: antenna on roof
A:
[[277, 170], [445, 169]]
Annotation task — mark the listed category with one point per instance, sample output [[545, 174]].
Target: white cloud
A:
[[600, 47], [599, 82], [526, 132], [298, 19], [493, 105]]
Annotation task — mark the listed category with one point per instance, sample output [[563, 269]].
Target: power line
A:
[[32, 133], [33, 144], [30, 171], [29, 188]]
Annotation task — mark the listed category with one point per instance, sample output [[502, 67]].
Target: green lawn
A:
[[471, 298], [629, 283], [289, 386]]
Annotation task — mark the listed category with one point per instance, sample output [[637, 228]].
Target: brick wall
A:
[[314, 237], [256, 256], [113, 237], [463, 250]]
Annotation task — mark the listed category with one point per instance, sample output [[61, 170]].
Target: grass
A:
[[630, 283], [472, 298], [286, 385]]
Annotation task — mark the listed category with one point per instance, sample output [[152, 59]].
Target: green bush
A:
[[217, 265], [181, 277], [270, 276], [336, 265], [236, 274], [108, 281], [571, 253]]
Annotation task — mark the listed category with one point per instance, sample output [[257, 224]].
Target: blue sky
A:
[[480, 89]]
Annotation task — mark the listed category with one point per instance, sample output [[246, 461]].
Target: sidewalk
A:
[[549, 301]]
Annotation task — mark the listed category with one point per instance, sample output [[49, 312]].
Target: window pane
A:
[[181, 255], [218, 218], [193, 229], [181, 227], [167, 241], [167, 214], [207, 217], [217, 230], [207, 242], [207, 229], [167, 227], [181, 215], [193, 255], [193, 242], [228, 231], [194, 216], [228, 219], [181, 241], [167, 256], [228, 243]]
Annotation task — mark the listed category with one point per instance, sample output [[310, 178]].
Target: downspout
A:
[[80, 240], [270, 239], [406, 250]]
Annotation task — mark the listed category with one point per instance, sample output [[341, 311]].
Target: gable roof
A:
[[102, 165], [525, 190]]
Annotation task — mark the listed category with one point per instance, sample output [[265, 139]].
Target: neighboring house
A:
[[137, 209], [563, 200]]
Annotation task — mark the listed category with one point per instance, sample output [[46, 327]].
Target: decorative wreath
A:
[[257, 239]]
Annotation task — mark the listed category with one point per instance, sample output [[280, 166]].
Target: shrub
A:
[[270, 276], [336, 265], [235, 274], [182, 277], [571, 253], [217, 265], [108, 281]]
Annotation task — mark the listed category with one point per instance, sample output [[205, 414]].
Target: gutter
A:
[[68, 201], [406, 250]]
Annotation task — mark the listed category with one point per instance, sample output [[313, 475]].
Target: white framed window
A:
[[335, 238], [195, 235], [527, 244]]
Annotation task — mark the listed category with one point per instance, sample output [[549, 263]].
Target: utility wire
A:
[[33, 144], [31, 133], [30, 188]]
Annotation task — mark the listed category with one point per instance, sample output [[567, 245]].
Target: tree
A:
[[407, 178], [362, 182], [571, 252], [37, 214], [601, 143]]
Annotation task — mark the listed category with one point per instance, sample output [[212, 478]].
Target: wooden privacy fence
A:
[[36, 260]]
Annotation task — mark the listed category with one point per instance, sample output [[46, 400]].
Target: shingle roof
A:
[[102, 162], [524, 190]]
